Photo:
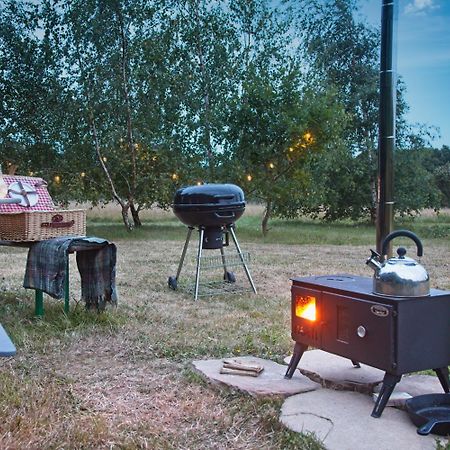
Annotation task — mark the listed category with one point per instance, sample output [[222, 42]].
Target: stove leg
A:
[[236, 243], [389, 382], [444, 377], [299, 349], [201, 233]]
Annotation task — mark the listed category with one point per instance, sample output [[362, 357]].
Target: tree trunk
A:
[[124, 205], [124, 61], [135, 214], [206, 103], [266, 217], [126, 220]]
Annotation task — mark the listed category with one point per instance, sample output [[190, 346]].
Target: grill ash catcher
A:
[[212, 209]]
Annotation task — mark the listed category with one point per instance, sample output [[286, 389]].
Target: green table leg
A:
[[38, 303], [66, 289]]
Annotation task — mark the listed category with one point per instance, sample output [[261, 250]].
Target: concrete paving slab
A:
[[336, 372], [411, 386], [419, 385], [342, 420], [270, 382]]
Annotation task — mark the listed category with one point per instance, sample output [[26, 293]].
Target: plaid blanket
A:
[[96, 260]]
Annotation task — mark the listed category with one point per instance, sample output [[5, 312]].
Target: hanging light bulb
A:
[[308, 137]]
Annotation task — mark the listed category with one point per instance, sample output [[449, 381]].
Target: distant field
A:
[[161, 224]]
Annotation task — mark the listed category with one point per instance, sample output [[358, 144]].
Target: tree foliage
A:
[[126, 100]]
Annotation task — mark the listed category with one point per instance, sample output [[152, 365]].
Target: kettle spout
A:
[[374, 261]]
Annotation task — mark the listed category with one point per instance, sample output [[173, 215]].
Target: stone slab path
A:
[[335, 372], [270, 382], [339, 412], [342, 421]]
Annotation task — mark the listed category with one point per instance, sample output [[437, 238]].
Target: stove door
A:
[[358, 329]]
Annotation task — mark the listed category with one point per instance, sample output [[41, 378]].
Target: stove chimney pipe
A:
[[386, 133]]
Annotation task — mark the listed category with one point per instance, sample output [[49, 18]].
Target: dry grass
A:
[[124, 380]]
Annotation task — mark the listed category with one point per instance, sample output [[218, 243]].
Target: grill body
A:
[[396, 334], [212, 209]]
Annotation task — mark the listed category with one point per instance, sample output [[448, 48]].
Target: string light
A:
[[308, 137], [31, 174], [57, 179], [271, 165], [104, 159], [199, 183], [174, 177], [82, 174], [291, 149], [249, 177]]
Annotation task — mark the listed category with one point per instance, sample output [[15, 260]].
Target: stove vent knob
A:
[[361, 331]]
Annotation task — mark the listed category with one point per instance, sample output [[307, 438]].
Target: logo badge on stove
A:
[[380, 311]]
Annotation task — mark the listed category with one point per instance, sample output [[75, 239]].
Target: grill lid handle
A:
[[224, 196], [226, 215]]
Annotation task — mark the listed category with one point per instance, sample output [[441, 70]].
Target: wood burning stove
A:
[[340, 314]]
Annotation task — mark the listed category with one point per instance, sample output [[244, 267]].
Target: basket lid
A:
[[38, 197]]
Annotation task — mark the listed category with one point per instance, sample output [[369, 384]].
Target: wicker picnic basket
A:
[[36, 218], [41, 225]]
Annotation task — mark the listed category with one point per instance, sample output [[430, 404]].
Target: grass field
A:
[[123, 379]]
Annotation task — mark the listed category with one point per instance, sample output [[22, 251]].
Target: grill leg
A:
[[444, 377], [222, 254], [173, 281], [201, 233], [236, 243], [299, 349], [389, 382], [183, 254]]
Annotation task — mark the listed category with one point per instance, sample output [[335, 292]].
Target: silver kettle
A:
[[399, 276]]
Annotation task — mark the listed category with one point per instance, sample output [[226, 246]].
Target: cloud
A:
[[419, 6]]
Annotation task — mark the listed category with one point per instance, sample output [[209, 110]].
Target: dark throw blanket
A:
[[96, 261]]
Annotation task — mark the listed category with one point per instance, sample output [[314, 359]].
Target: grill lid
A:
[[210, 195]]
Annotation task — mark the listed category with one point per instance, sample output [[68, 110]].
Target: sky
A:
[[423, 59]]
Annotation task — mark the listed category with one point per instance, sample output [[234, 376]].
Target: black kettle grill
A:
[[212, 209]]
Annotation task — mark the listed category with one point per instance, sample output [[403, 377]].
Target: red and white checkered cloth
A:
[[44, 203]]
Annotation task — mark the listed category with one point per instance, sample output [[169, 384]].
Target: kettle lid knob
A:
[[401, 252]]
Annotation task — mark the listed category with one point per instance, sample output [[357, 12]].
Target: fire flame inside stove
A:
[[305, 307]]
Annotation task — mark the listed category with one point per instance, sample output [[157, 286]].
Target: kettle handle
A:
[[405, 233]]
